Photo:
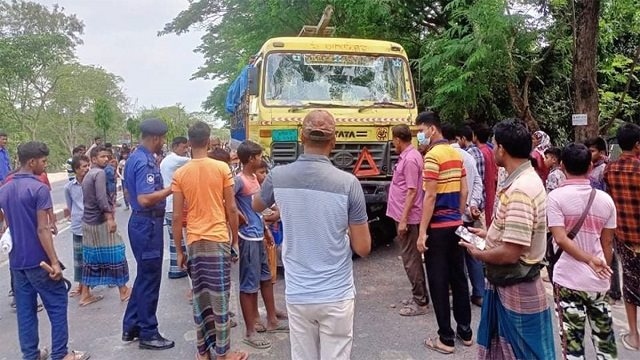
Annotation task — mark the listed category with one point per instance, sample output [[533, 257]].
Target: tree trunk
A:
[[584, 66]]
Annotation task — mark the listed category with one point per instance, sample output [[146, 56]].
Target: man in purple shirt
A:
[[25, 202], [405, 207]]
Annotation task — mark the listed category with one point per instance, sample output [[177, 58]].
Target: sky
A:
[[121, 37]]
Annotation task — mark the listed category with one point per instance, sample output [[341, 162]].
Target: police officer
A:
[[147, 195]]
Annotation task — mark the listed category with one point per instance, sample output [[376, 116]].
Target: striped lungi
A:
[[103, 255], [174, 271], [210, 271], [77, 258]]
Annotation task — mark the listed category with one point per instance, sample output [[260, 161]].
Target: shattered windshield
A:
[[299, 78]]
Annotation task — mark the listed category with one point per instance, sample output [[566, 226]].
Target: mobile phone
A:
[[234, 253], [467, 236]]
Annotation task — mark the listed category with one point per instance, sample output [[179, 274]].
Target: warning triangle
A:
[[366, 155]]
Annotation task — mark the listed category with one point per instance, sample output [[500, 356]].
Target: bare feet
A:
[[235, 355], [125, 293]]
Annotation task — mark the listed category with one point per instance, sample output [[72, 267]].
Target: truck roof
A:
[[330, 44]]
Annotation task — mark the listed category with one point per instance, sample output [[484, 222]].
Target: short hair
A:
[[248, 149], [597, 142], [199, 134], [466, 132], [576, 159], [220, 154], [263, 165], [108, 145], [554, 151], [77, 150], [482, 132], [178, 140], [448, 132], [3, 133], [628, 136], [32, 150], [402, 132], [75, 161], [514, 138], [428, 118], [97, 138], [97, 150]]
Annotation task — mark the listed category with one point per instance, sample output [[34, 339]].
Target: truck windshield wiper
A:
[[384, 104], [316, 105]]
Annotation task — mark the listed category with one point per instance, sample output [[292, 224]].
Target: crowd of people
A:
[[479, 211]]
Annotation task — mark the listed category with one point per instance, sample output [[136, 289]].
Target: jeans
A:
[[445, 269], [475, 269], [28, 285]]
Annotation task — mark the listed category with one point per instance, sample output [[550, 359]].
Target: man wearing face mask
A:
[[445, 197]]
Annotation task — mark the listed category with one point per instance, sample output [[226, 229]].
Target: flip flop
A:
[[78, 355], [257, 342], [92, 299], [626, 344], [437, 346], [413, 310], [259, 327], [466, 343], [282, 328]]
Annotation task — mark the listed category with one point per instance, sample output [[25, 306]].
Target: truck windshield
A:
[[355, 80]]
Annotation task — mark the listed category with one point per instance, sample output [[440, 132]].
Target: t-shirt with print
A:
[[521, 214], [444, 164], [565, 206], [245, 188], [202, 183], [20, 200]]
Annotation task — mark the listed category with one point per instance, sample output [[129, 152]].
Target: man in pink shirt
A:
[[582, 274], [405, 207]]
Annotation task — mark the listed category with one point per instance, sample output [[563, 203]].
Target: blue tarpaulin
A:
[[236, 90]]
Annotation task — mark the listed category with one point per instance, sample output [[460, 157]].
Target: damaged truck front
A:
[[365, 84]]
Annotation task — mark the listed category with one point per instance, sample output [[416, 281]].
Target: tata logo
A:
[[343, 159], [346, 134]]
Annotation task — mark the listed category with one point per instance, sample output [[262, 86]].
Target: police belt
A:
[[149, 213]]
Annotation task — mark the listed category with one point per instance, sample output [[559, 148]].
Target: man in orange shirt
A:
[[207, 187]]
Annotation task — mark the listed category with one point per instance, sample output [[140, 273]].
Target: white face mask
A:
[[423, 139]]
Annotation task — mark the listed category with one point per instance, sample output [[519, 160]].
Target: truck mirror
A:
[[254, 80]]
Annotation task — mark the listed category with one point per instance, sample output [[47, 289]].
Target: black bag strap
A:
[[576, 228]]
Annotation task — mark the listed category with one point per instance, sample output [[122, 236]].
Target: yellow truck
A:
[[365, 84]]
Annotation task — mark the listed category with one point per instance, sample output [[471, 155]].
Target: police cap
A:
[[153, 127]]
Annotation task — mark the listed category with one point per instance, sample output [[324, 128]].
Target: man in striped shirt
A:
[[445, 198]]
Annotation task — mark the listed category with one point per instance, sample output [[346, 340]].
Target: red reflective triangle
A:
[[366, 155]]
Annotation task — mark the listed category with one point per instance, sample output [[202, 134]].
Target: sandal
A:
[[77, 355], [626, 344], [413, 310], [438, 346], [257, 342], [281, 328], [259, 327], [92, 299], [466, 343]]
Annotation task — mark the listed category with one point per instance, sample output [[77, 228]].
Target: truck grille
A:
[[284, 152]]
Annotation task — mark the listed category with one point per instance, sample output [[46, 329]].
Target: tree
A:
[[103, 115], [176, 118], [133, 127]]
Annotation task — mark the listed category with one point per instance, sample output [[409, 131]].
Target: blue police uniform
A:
[[142, 176]]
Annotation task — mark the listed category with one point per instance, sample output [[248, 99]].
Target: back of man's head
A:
[[319, 129], [402, 132], [449, 132], [199, 134], [32, 150], [628, 136], [482, 132], [465, 132], [514, 138], [429, 118], [576, 159]]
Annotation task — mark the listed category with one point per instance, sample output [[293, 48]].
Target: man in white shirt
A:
[[172, 162]]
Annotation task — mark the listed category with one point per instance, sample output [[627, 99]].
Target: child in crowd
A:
[[255, 274], [552, 162]]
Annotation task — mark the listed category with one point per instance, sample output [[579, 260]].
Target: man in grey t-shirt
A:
[[318, 244]]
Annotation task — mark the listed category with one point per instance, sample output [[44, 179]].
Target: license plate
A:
[[285, 135]]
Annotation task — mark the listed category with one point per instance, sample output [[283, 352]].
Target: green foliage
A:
[[176, 118], [103, 115]]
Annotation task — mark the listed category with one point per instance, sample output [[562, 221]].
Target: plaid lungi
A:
[[77, 258], [103, 253], [210, 271]]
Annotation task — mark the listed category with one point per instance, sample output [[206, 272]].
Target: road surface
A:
[[380, 333]]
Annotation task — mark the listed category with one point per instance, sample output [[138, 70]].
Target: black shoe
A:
[[156, 343], [129, 336]]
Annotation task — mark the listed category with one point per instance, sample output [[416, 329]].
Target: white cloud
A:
[[121, 36]]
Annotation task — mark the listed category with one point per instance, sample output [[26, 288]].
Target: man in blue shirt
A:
[[5, 161], [25, 202], [147, 194]]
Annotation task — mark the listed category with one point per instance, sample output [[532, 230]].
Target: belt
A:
[[149, 213]]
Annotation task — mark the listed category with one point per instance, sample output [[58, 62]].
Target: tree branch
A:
[[610, 122]]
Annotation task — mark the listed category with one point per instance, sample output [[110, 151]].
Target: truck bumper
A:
[[381, 227]]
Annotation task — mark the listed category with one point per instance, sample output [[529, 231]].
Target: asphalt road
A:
[[380, 333]]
